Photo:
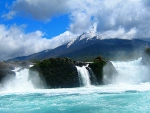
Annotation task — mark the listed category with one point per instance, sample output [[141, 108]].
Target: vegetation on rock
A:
[[58, 72], [97, 68], [62, 72]]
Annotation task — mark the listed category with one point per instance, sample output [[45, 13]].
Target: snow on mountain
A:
[[89, 34], [63, 38]]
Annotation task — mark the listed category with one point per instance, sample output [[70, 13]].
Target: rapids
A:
[[129, 91]]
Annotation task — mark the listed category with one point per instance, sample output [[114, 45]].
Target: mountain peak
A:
[[89, 34]]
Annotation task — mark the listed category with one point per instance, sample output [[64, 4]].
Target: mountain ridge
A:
[[86, 48]]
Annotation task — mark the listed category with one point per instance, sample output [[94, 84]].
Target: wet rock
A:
[[146, 57], [98, 69], [79, 63], [62, 72], [58, 72], [6, 70]]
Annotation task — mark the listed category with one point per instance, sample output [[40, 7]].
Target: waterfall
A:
[[23, 81], [84, 76], [92, 77], [19, 82], [131, 72]]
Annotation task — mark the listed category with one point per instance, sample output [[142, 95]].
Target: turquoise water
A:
[[78, 100], [127, 92]]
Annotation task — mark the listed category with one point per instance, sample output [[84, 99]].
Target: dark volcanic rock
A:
[[6, 74], [146, 57], [78, 63], [6, 70], [62, 72], [7, 67], [22, 64], [58, 72], [97, 67]]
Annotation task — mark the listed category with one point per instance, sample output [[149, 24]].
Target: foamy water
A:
[[128, 92], [131, 72]]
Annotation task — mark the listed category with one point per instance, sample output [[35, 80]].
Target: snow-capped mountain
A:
[[90, 45], [89, 34], [86, 48]]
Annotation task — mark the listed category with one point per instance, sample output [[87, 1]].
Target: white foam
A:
[[131, 72], [23, 81], [85, 90], [84, 76], [20, 82], [132, 76]]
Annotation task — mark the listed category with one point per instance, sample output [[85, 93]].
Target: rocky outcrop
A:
[[6, 70], [79, 63], [23, 64], [58, 72], [98, 69], [146, 57], [62, 72]]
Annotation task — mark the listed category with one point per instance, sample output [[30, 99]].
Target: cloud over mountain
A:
[[113, 19], [14, 42], [110, 16], [122, 19]]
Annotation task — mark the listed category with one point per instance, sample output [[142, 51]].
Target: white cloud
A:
[[109, 15], [83, 13], [128, 16], [119, 33], [14, 42], [114, 19], [122, 19], [38, 9]]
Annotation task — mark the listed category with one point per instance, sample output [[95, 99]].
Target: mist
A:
[[128, 72], [24, 80]]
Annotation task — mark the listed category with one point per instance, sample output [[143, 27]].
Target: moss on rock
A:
[[58, 72], [97, 68], [62, 72]]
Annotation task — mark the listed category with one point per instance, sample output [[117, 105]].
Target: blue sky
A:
[[54, 27], [31, 26]]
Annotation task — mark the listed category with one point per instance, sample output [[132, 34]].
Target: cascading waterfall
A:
[[22, 81], [128, 92], [131, 72], [92, 77], [84, 76]]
